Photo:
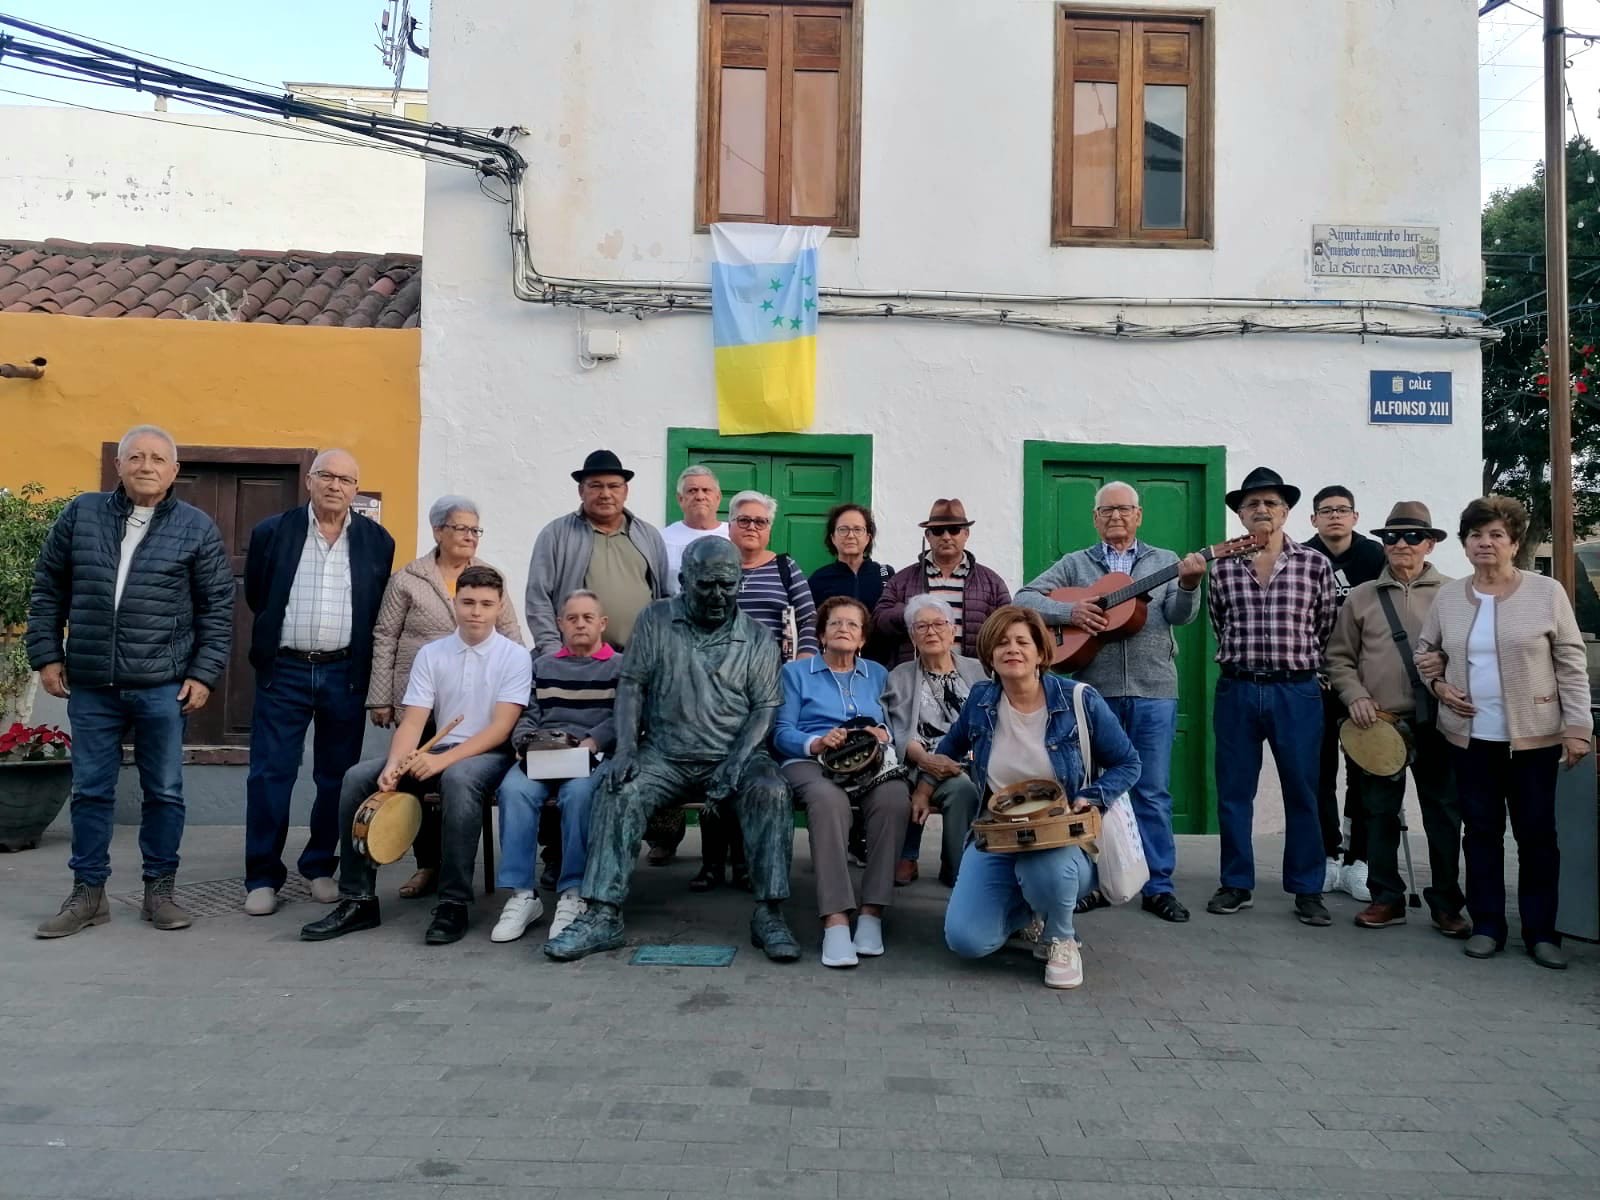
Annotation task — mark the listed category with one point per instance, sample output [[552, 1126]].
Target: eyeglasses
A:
[[330, 477], [843, 623], [922, 627], [1411, 537], [1270, 505], [1336, 510], [752, 522], [1116, 510], [849, 531], [945, 530], [469, 530]]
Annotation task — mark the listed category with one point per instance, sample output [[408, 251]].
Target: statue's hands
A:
[[624, 766], [724, 781]]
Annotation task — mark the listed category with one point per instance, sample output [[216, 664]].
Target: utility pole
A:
[[1562, 562]]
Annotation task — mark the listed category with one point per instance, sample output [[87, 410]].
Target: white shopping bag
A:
[[1122, 867]]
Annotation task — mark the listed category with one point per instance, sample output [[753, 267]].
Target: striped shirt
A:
[[318, 614], [575, 695], [951, 588], [1283, 626], [761, 594]]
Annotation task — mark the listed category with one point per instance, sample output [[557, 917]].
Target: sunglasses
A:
[[944, 530], [1411, 537]]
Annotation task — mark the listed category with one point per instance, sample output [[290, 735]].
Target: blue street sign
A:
[[1410, 398]]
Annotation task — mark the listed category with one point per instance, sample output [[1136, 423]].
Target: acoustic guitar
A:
[[1123, 600]]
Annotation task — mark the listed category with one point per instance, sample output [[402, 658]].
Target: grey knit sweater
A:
[[1144, 665]]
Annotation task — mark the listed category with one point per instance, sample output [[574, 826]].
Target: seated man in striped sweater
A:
[[574, 692]]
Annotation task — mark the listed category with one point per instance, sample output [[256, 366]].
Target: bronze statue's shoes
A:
[[770, 933], [595, 931]]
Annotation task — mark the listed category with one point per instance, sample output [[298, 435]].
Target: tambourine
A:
[[385, 826], [1383, 749], [1033, 814]]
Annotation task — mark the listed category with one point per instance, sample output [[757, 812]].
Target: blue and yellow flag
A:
[[764, 325]]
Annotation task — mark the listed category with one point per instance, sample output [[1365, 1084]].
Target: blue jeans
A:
[[1288, 717], [99, 717], [1151, 726], [521, 799], [997, 894], [294, 697]]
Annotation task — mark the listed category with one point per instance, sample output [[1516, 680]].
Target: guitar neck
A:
[[1143, 587]]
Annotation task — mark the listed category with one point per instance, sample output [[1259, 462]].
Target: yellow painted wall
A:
[[212, 383]]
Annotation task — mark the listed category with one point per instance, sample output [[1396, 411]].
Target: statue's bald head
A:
[[710, 579]]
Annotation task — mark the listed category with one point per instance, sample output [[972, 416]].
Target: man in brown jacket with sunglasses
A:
[[1372, 672]]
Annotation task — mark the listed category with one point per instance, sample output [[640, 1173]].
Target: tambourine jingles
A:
[[385, 826], [1383, 749], [1033, 814]]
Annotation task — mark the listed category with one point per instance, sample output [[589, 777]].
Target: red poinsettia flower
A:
[[1580, 386], [1586, 350], [1542, 380]]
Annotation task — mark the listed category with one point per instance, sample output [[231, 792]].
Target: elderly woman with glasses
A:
[[822, 695], [849, 535], [774, 589], [923, 699], [416, 610]]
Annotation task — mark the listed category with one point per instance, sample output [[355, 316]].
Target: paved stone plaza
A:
[[1237, 1058]]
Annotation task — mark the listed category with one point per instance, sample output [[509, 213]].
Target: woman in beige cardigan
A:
[[1504, 658], [417, 610]]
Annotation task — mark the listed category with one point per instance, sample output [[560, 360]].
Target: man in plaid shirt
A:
[[1272, 615]]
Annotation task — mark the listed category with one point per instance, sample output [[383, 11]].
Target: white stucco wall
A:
[[181, 179], [1344, 111]]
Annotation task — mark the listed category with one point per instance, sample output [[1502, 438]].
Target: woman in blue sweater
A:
[[1021, 725]]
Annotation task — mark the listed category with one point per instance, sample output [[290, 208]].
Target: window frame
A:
[[708, 114], [1199, 197]]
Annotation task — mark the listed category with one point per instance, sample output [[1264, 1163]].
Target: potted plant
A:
[[35, 771]]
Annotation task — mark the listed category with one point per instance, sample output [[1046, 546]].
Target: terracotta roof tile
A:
[[294, 287]]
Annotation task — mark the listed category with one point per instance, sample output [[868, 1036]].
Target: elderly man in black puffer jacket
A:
[[143, 584]]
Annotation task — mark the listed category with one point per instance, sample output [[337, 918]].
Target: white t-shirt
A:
[[1019, 751], [1483, 675], [133, 531], [677, 536], [455, 679]]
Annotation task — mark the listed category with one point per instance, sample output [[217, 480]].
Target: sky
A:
[[307, 41]]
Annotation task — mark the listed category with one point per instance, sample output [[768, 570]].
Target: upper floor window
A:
[[1133, 128], [780, 117]]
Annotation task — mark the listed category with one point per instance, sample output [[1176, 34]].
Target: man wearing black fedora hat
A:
[[1272, 616], [603, 548], [1370, 667]]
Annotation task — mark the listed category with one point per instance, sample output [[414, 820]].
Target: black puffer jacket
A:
[[176, 617]]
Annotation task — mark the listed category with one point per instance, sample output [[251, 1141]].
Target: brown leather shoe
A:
[[424, 881], [659, 856], [1381, 916], [1452, 925], [160, 907], [905, 871]]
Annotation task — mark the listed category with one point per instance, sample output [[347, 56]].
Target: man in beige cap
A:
[[1370, 666], [947, 571]]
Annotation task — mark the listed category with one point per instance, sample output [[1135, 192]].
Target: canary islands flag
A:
[[764, 325]]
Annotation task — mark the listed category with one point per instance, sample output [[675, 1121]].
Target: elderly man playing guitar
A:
[[1138, 674]]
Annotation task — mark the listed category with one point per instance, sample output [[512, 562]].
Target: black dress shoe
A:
[[708, 878], [1166, 906], [348, 916], [449, 924]]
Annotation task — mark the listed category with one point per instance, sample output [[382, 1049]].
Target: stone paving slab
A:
[[1238, 1058]]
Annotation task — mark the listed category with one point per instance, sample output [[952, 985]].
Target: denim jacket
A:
[[1114, 755]]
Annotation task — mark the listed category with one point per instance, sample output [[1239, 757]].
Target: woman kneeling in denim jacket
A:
[[1021, 726]]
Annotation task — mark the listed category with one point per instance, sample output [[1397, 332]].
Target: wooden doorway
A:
[[237, 487]]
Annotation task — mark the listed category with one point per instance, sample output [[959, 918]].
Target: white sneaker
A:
[[869, 936], [569, 907], [1332, 876], [838, 950], [1028, 938], [522, 910], [325, 890], [261, 902], [1354, 880], [1063, 968]]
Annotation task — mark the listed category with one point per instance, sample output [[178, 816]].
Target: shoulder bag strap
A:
[[1084, 748], [791, 629], [1421, 698]]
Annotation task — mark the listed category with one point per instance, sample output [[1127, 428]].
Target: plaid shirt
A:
[[1281, 627], [318, 614], [1120, 562]]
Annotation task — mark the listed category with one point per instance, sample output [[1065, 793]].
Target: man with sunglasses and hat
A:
[[1370, 667], [1272, 615], [947, 571], [603, 548]]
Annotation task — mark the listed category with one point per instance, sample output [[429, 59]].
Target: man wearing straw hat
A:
[[1370, 667]]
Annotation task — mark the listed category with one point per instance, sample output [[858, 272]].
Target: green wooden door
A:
[[1180, 514], [806, 475]]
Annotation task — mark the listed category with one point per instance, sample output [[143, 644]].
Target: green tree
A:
[[1516, 415]]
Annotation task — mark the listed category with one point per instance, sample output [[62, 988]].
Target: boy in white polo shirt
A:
[[481, 676]]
